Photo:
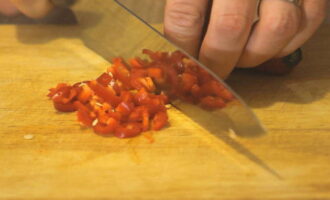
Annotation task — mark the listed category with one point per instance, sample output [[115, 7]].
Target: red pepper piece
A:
[[162, 98], [104, 79], [142, 97], [138, 73], [213, 88], [53, 91], [156, 73], [111, 72], [196, 91], [63, 96], [188, 80], [67, 107], [227, 95], [103, 112], [143, 82], [191, 67], [172, 75], [212, 103], [204, 76], [121, 72], [126, 96], [148, 84], [137, 114], [177, 56], [83, 114], [155, 105], [105, 93], [106, 129], [145, 120], [155, 55], [117, 87], [159, 121], [117, 115], [136, 63], [127, 130], [125, 108], [86, 94]]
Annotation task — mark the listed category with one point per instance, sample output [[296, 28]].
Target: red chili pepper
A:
[[85, 94], [156, 73], [53, 91], [159, 121], [121, 72], [188, 81], [211, 103], [108, 128], [106, 93], [137, 114], [145, 120], [136, 63], [131, 98], [125, 108], [83, 114], [127, 130], [104, 79], [68, 107], [63, 96], [142, 97]]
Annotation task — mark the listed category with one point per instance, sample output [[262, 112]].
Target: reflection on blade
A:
[[112, 31]]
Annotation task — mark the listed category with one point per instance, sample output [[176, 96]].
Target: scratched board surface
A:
[[63, 160]]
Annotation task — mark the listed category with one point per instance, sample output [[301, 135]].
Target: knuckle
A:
[[282, 24], [233, 25], [184, 18]]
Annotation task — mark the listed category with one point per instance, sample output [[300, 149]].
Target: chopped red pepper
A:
[[63, 97], [106, 93], [136, 63], [68, 107], [159, 121], [126, 130], [211, 103], [104, 79], [130, 98], [108, 128], [83, 114]]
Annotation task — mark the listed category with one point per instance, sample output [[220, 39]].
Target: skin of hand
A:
[[30, 8], [232, 37]]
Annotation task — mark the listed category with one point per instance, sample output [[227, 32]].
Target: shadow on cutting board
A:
[[58, 15], [307, 83], [207, 121], [60, 23]]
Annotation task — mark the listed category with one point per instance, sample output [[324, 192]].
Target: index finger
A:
[[183, 23], [227, 34]]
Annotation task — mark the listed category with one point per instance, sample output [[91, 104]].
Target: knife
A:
[[110, 29]]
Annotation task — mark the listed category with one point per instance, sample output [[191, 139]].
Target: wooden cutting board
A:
[[64, 161]]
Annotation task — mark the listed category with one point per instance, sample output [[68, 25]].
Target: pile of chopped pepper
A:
[[131, 97]]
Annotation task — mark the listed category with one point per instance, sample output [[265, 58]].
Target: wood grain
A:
[[64, 161]]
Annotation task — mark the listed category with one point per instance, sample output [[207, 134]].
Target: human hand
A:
[[232, 38], [31, 8]]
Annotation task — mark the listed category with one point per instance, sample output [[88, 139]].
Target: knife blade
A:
[[110, 29]]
